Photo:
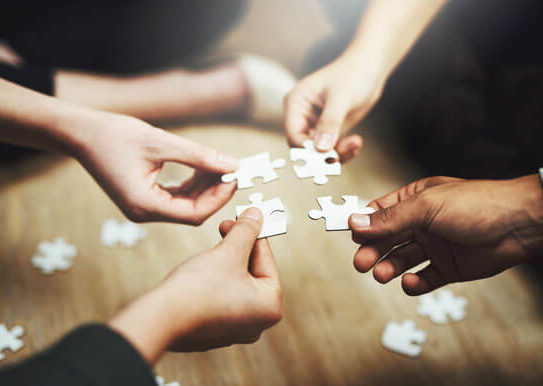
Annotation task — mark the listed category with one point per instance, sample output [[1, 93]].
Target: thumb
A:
[[407, 215], [197, 155], [242, 236], [329, 126]]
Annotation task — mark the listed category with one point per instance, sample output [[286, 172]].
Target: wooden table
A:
[[333, 316]]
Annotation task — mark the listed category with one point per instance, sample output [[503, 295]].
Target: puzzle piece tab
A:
[[9, 339], [442, 306], [54, 256], [275, 220], [315, 163], [337, 216], [259, 165], [125, 233], [403, 338]]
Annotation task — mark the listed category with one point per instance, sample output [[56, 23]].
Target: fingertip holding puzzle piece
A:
[[273, 212], [337, 216], [316, 163], [260, 165]]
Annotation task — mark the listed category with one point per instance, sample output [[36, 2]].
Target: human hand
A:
[[467, 229], [125, 156], [223, 296], [331, 101]]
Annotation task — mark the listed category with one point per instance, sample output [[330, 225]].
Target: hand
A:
[[330, 102], [125, 156], [223, 296], [467, 229]]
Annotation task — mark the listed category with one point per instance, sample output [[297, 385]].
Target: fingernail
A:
[[228, 161], [325, 141], [361, 220], [253, 213]]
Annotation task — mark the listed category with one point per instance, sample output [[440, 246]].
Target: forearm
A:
[[388, 30], [31, 119], [146, 96]]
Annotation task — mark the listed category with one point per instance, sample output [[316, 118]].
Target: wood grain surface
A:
[[333, 316]]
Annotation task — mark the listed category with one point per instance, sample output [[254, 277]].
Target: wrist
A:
[[146, 324], [529, 225], [374, 66]]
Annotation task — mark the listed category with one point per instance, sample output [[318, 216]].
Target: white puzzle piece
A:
[[315, 163], [275, 220], [403, 338], [160, 382], [259, 165], [126, 233], [9, 339], [54, 256], [442, 306], [337, 216]]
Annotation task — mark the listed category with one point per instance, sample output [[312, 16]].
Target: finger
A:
[[424, 281], [191, 208], [330, 123], [374, 250], [299, 116], [408, 215], [225, 227], [398, 261], [348, 147], [196, 155], [240, 240], [262, 263]]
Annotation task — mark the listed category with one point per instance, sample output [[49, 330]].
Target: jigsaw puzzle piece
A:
[[337, 216], [316, 164], [273, 211], [403, 338], [9, 339], [259, 165], [442, 306]]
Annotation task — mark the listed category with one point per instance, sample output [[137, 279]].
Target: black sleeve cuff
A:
[[34, 78], [90, 355]]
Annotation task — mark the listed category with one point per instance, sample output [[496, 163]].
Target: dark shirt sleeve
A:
[[35, 78], [92, 355]]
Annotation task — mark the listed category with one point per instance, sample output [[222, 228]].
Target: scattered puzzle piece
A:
[[403, 338], [54, 256], [259, 165], [275, 221], [337, 216], [9, 339], [442, 306], [315, 163], [160, 382], [127, 233]]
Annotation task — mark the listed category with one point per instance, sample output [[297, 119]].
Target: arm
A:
[[468, 230], [123, 154], [335, 98], [227, 295]]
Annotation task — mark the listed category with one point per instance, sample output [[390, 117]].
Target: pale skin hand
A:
[[468, 230], [124, 155], [227, 295], [328, 103]]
